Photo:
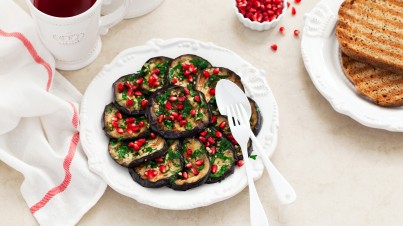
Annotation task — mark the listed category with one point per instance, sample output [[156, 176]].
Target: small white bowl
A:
[[259, 26]]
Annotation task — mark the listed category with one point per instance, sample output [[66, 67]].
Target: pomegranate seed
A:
[[214, 169], [172, 98], [189, 151], [197, 98], [212, 91], [120, 87], [151, 173], [189, 165], [218, 134], [114, 119], [129, 131], [139, 81], [156, 71], [240, 163], [288, 4], [296, 33], [213, 119], [202, 139], [195, 171], [142, 141], [186, 90], [181, 98], [120, 130], [141, 123], [130, 92], [193, 112], [128, 84], [223, 124], [143, 103], [297, 1], [136, 128], [175, 114], [115, 124], [293, 11], [174, 80], [168, 105], [130, 120], [274, 47], [213, 150], [182, 123], [129, 103], [211, 140], [282, 30], [179, 106], [204, 133], [206, 74], [216, 71], [162, 169], [160, 118], [199, 162], [185, 175], [190, 78], [136, 147], [160, 159], [137, 93], [185, 66], [179, 117], [207, 144], [118, 115], [130, 145], [152, 135]]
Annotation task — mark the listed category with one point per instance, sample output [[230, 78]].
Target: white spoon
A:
[[227, 94]]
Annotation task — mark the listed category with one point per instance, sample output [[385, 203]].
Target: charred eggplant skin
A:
[[113, 129], [173, 153], [198, 152], [185, 69], [154, 73], [129, 98], [256, 120], [157, 125]]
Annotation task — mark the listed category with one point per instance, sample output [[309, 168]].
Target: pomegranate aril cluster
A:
[[260, 10]]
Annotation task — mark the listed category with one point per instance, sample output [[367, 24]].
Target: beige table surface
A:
[[344, 173]]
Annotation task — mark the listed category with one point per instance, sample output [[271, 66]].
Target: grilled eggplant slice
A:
[[196, 165], [207, 80], [129, 98], [221, 153], [185, 69], [256, 120], [133, 153], [160, 171], [154, 73], [220, 123], [123, 127], [177, 112]]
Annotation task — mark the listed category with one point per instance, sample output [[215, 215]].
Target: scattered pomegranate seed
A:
[[181, 98], [211, 140], [197, 98], [213, 119], [274, 47], [288, 4], [162, 168], [240, 163], [120, 130], [199, 162], [160, 159], [115, 124], [172, 98], [174, 80], [206, 74], [160, 118], [128, 84], [189, 151], [282, 30], [213, 150], [137, 93], [156, 71], [190, 78], [202, 139], [179, 106], [168, 105], [204, 133], [179, 117], [296, 33], [141, 141], [118, 115], [130, 120], [212, 91], [143, 103], [182, 123], [293, 11], [139, 81], [222, 124], [218, 134], [297, 1], [135, 128], [152, 135], [136, 147], [216, 71], [151, 173], [114, 119], [185, 66], [185, 175], [130, 145], [193, 112], [195, 171], [214, 169], [129, 103], [141, 123], [186, 90], [189, 165], [120, 87]]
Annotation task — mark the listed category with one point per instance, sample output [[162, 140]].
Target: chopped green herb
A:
[[253, 157], [188, 126]]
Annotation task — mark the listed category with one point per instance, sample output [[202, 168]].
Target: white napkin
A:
[[39, 125]]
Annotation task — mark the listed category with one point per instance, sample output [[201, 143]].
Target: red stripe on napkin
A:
[[66, 165], [31, 51]]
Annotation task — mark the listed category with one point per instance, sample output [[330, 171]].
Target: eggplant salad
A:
[[164, 125]]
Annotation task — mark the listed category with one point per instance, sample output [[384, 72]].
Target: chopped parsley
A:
[[188, 126], [253, 157]]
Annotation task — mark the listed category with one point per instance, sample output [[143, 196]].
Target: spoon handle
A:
[[284, 190]]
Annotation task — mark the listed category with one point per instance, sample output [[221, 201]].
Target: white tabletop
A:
[[344, 173]]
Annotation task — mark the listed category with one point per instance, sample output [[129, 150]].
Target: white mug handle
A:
[[112, 18]]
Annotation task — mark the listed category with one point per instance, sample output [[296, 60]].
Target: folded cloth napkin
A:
[[39, 125]]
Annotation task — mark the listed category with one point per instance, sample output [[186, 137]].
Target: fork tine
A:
[[229, 114], [239, 116], [243, 112]]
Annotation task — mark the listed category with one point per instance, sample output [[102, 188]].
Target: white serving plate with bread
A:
[[321, 56]]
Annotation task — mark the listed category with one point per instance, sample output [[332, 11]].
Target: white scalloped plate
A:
[[99, 94], [320, 52]]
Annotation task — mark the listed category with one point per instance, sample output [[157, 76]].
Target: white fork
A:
[[239, 132]]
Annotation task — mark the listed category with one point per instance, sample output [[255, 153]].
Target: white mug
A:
[[75, 41]]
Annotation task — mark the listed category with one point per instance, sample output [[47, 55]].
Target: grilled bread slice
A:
[[371, 31], [382, 87]]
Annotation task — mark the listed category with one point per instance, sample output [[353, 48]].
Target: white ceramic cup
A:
[[75, 41]]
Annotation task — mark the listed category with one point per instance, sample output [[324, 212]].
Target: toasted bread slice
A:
[[371, 31], [382, 87]]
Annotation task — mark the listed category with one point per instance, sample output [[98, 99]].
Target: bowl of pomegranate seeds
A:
[[260, 15]]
